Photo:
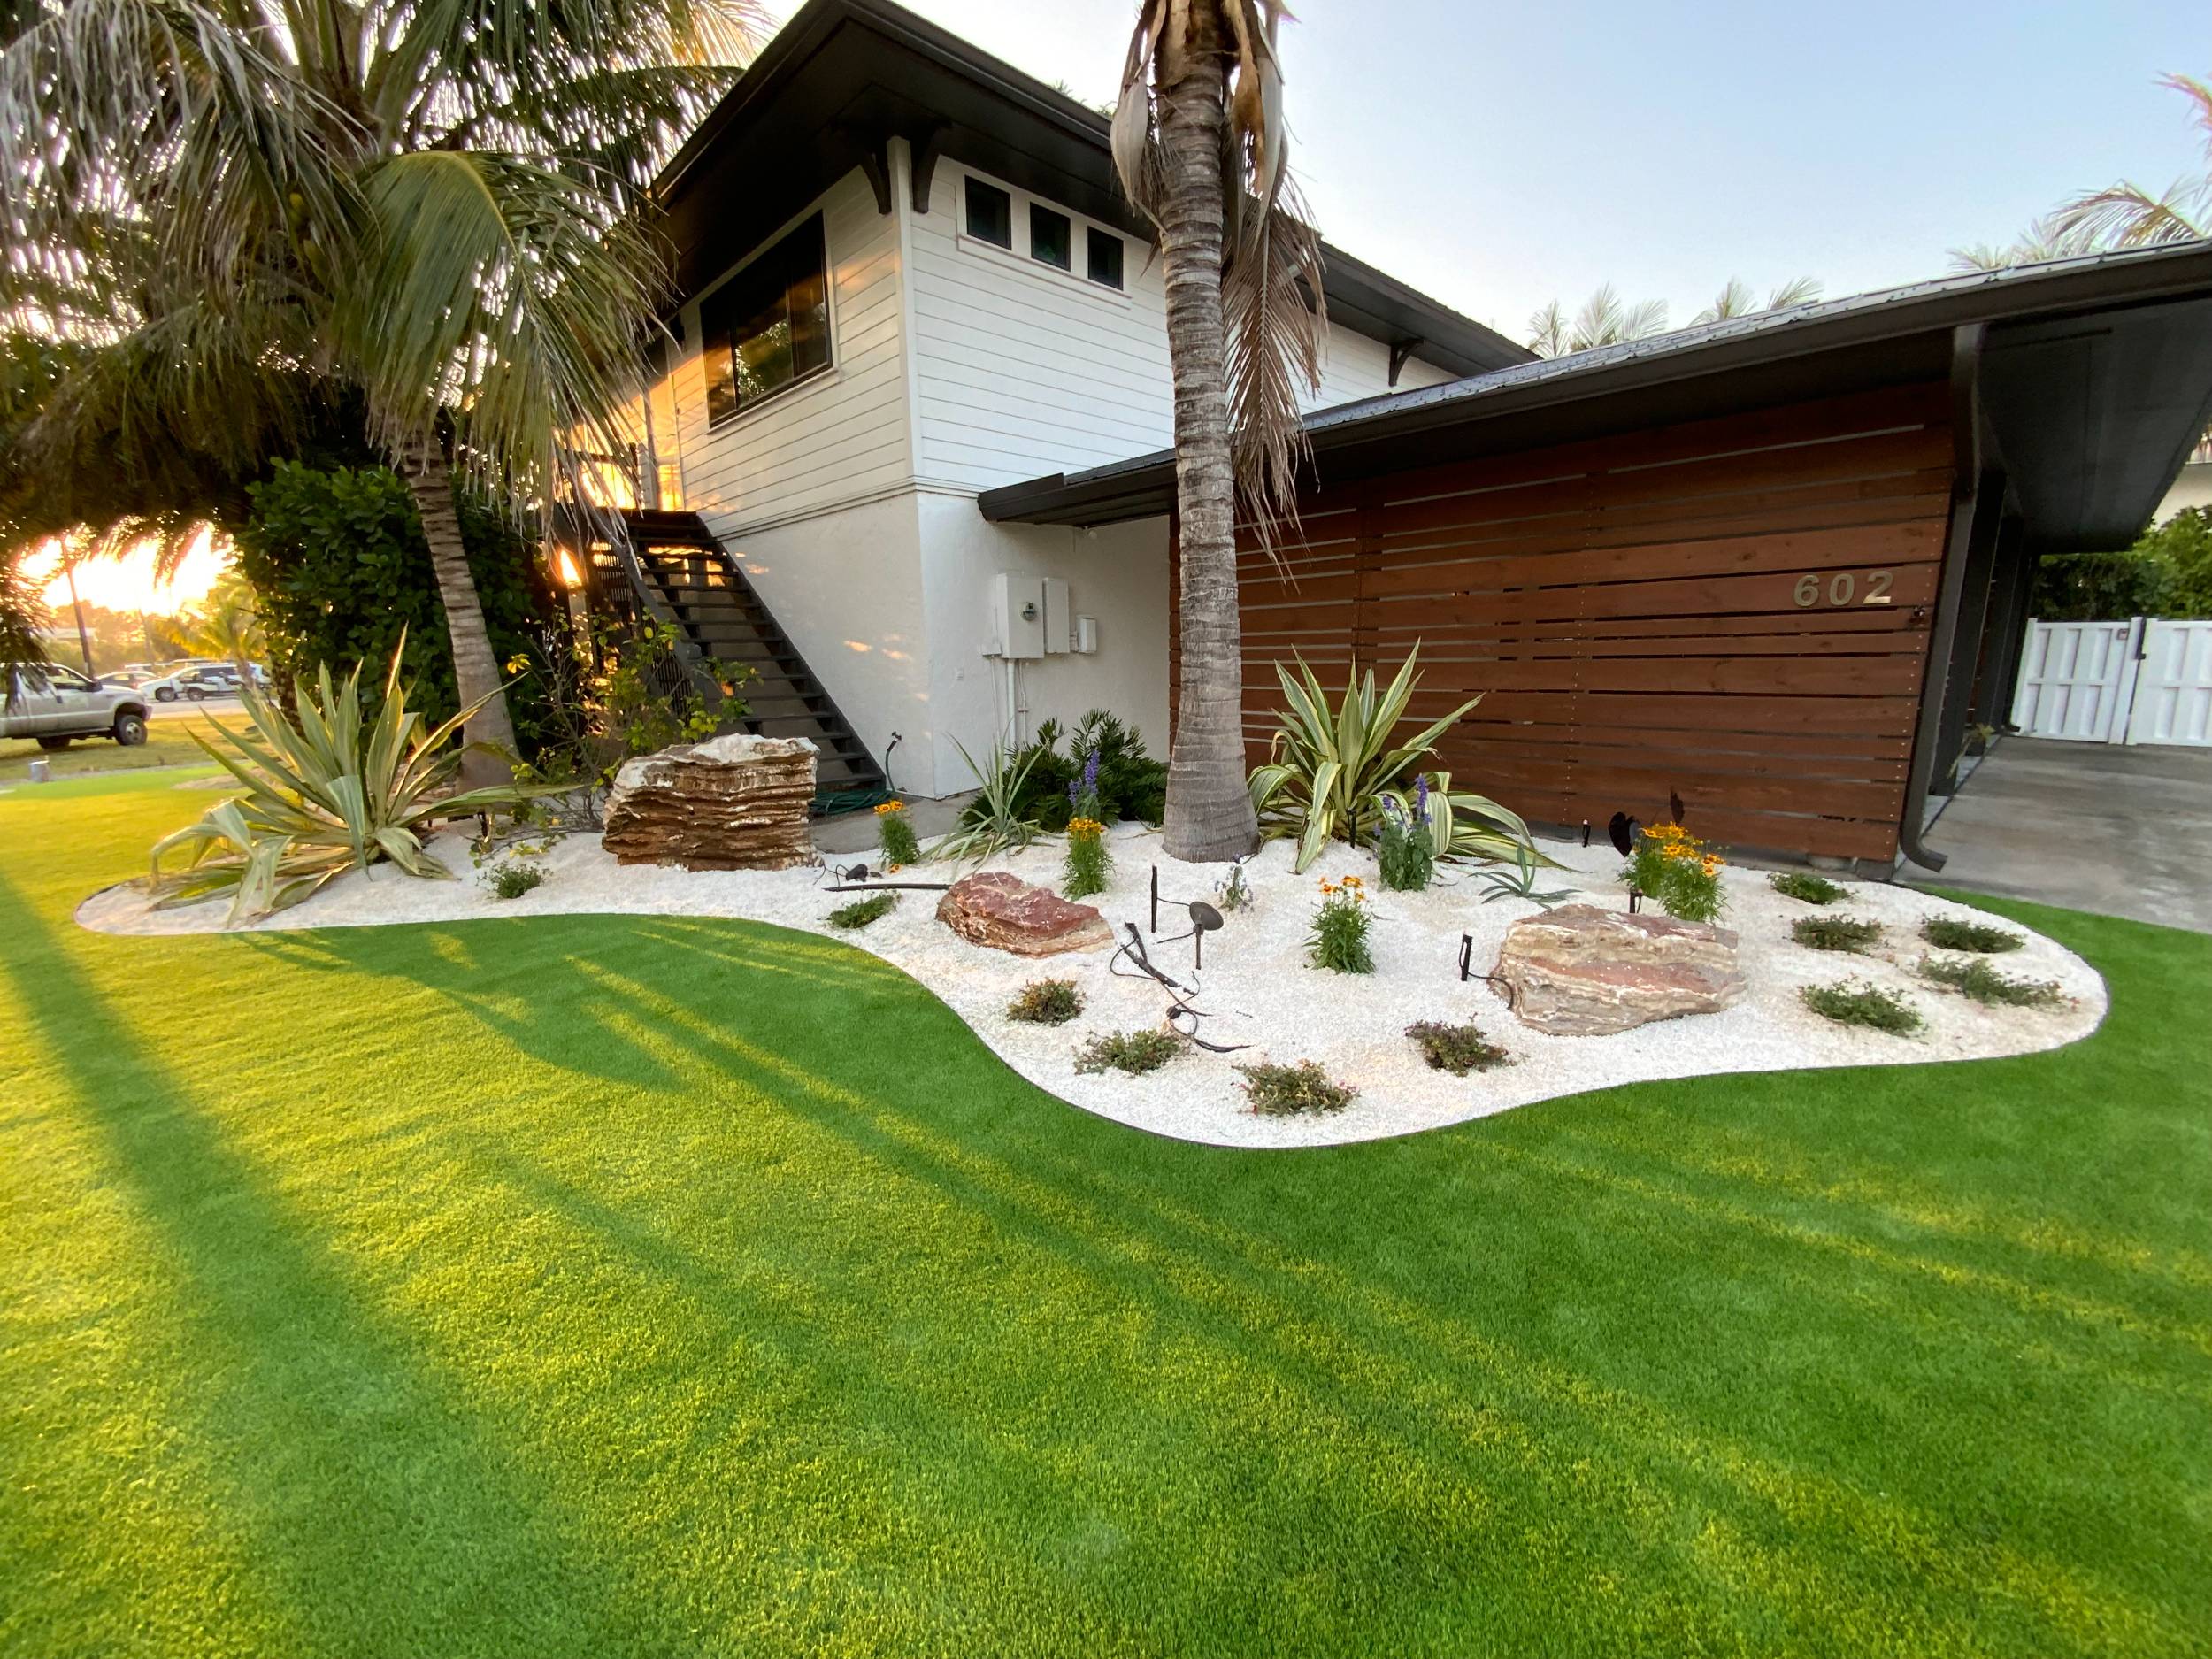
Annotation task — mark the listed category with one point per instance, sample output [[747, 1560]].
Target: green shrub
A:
[[1046, 1002], [894, 835], [1135, 1052], [514, 878], [341, 574], [339, 790], [874, 908], [1677, 871], [1402, 847], [1836, 932], [1804, 885], [1458, 1049], [1339, 940], [1947, 933], [1284, 1091], [1979, 982], [1854, 1002], [993, 822], [1129, 784]]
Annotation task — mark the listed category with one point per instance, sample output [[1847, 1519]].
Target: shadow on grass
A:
[[387, 1515]]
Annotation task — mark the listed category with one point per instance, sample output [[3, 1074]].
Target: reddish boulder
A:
[[999, 909], [1581, 971]]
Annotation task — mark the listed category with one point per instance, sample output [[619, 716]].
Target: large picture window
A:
[[768, 326]]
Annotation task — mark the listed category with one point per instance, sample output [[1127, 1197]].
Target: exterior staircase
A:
[[693, 580]]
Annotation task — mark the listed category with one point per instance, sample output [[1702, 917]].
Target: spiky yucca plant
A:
[[332, 793], [1329, 771]]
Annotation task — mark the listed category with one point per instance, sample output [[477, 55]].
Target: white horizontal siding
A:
[[1354, 367], [1020, 368], [842, 437]]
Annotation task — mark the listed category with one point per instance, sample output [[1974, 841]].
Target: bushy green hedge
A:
[[2167, 573], [339, 566]]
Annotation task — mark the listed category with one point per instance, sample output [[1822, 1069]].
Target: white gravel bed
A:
[[1258, 990]]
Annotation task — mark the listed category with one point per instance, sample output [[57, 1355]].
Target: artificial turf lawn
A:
[[618, 1286], [168, 743]]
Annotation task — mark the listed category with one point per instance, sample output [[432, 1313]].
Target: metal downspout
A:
[[1966, 486]]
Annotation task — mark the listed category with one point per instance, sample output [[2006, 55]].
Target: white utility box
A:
[[1087, 635], [1017, 615], [1059, 626]]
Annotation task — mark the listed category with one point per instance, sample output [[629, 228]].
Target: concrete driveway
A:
[[2092, 826]]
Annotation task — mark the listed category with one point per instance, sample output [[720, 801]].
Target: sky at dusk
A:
[[1496, 157]]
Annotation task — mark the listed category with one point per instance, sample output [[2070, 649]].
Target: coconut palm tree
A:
[[432, 203], [1605, 319], [1201, 147], [1737, 299], [2122, 215]]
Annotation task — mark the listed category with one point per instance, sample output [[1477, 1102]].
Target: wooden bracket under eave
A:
[[1400, 353]]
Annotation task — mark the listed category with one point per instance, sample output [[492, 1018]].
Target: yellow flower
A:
[[891, 806], [1085, 828]]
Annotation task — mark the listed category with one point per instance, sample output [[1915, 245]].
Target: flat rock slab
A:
[[1004, 912], [735, 802], [1581, 971]]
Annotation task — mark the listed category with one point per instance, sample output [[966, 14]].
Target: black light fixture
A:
[[1504, 987], [1204, 919]]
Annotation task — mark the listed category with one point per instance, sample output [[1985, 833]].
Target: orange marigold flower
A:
[[890, 806]]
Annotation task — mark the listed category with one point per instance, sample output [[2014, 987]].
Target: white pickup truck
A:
[[57, 705]]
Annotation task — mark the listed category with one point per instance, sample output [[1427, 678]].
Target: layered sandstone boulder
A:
[[994, 908], [1581, 971], [733, 802]]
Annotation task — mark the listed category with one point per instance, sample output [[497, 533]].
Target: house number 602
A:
[[1842, 588]]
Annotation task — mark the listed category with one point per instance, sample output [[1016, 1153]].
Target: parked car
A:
[[195, 683], [57, 705]]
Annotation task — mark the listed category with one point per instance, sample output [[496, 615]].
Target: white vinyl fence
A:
[[2143, 680]]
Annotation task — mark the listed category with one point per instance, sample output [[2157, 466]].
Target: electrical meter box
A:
[[1058, 624], [1017, 615]]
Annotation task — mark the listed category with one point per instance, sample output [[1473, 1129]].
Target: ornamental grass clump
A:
[[1402, 846], [1458, 1049], [1046, 1002], [1836, 932], [1677, 870], [1285, 1091], [1855, 1003], [1084, 870], [894, 835], [1135, 1052], [1947, 933], [1804, 886], [1339, 940], [1979, 982], [334, 792], [860, 912]]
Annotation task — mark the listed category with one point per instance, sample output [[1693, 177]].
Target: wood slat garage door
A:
[[1734, 609]]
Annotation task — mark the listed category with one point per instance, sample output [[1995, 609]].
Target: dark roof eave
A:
[[1143, 485]]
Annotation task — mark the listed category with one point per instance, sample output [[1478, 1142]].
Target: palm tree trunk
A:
[[1209, 810], [475, 667]]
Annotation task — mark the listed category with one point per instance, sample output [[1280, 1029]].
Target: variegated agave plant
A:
[[331, 794], [1329, 771]]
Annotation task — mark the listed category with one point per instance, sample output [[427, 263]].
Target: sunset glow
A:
[[128, 583]]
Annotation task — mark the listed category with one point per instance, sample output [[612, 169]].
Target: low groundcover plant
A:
[[1947, 933], [1046, 1002], [1836, 932], [1805, 887], [1855, 1003], [860, 912], [1284, 1091], [1458, 1049], [1979, 982], [1135, 1052]]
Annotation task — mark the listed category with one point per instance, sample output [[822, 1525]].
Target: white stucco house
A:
[[907, 279]]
